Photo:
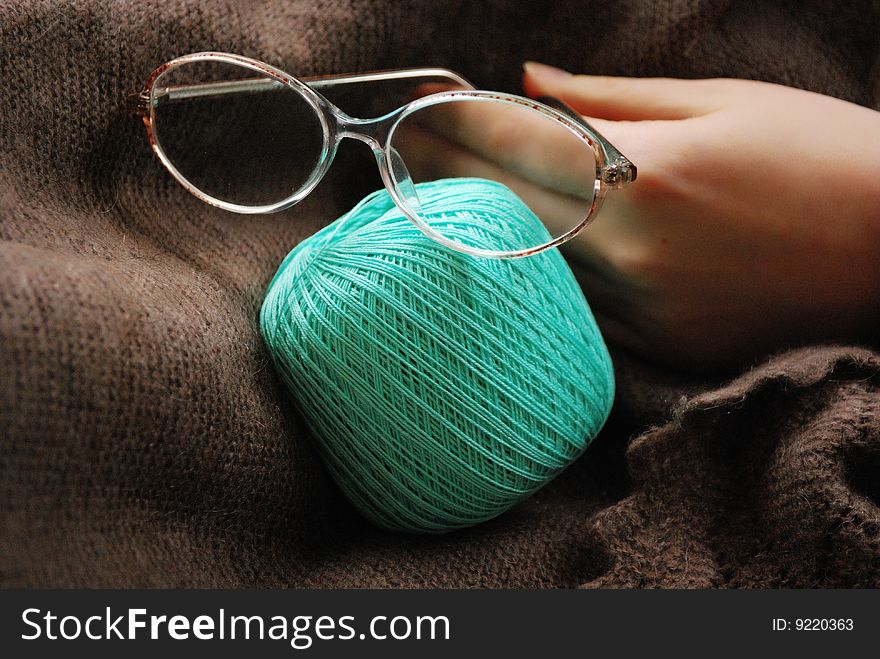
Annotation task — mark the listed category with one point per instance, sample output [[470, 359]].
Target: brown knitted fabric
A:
[[145, 438]]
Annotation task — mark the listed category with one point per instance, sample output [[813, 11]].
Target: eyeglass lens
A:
[[236, 134], [550, 168]]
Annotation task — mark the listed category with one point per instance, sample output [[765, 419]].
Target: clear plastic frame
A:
[[266, 155]]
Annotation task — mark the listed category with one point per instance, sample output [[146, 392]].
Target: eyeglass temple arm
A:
[[619, 170], [249, 85], [322, 82]]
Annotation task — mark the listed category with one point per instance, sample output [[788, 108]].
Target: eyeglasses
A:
[[249, 138]]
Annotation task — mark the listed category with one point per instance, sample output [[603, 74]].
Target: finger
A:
[[605, 244], [518, 139], [430, 156], [643, 142], [611, 97], [541, 150]]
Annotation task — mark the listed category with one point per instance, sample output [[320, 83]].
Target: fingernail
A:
[[544, 70]]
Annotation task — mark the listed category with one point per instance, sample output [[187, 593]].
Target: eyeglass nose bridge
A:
[[374, 133]]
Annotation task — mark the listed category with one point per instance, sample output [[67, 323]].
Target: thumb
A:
[[610, 97]]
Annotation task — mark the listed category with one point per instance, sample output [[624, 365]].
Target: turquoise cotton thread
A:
[[440, 388]]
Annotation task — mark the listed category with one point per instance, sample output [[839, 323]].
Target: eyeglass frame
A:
[[613, 169]]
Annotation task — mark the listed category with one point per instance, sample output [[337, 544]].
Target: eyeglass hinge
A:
[[619, 173], [140, 103]]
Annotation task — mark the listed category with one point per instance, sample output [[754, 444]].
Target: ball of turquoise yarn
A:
[[440, 388]]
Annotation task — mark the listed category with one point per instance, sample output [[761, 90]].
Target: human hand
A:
[[754, 223]]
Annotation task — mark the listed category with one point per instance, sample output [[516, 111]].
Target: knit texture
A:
[[145, 438], [441, 388]]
